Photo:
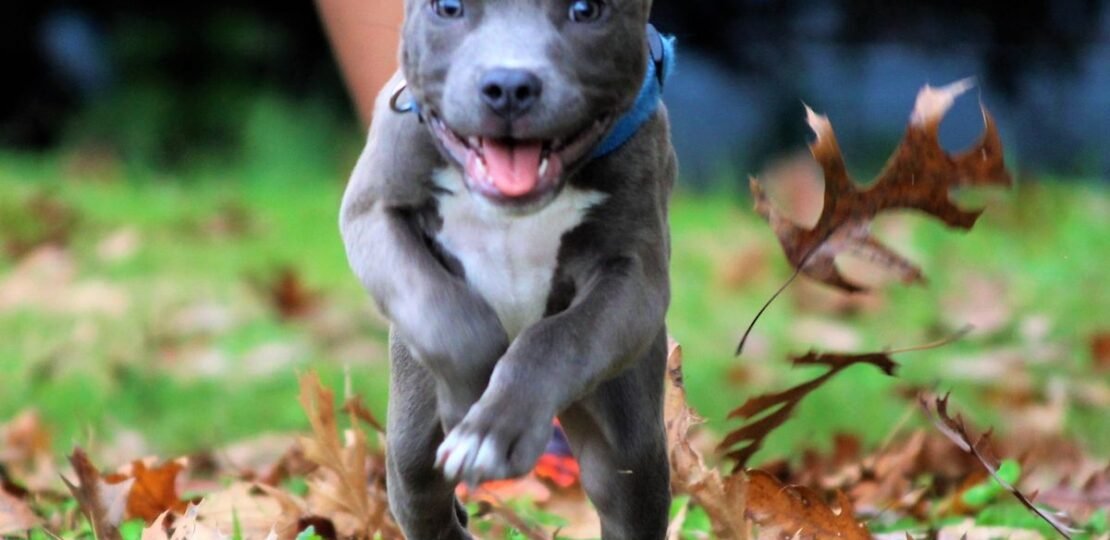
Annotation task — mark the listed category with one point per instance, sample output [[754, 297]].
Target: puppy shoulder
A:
[[396, 165]]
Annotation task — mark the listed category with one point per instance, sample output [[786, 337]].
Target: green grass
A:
[[93, 375]]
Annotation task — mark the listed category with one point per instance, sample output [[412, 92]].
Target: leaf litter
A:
[[921, 475]]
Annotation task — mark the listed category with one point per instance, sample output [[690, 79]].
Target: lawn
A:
[[149, 314], [182, 309]]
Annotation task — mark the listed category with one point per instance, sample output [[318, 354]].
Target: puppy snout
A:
[[510, 93]]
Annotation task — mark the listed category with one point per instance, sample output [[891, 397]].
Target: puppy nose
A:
[[510, 92]]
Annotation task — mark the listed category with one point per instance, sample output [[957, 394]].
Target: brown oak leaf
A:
[[919, 176], [339, 488], [153, 490], [722, 497], [799, 512]]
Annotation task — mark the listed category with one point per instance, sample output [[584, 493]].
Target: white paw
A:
[[485, 447]]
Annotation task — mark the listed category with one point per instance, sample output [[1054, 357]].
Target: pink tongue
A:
[[514, 170]]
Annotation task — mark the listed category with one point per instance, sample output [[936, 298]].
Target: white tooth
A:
[[543, 166], [474, 142], [482, 169]]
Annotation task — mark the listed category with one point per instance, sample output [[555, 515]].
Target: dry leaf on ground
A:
[[156, 530], [722, 497], [343, 488], [957, 432], [289, 296], [25, 453], [257, 511], [798, 512], [919, 176], [153, 490], [1100, 351], [119, 246], [102, 503], [15, 515], [969, 530], [47, 221], [46, 280], [190, 527]]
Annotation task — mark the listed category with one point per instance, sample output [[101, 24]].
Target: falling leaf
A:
[[723, 498], [102, 503], [798, 512], [340, 488], [764, 414], [919, 176], [774, 410], [957, 432]]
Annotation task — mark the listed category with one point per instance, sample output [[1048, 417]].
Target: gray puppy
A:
[[514, 231]]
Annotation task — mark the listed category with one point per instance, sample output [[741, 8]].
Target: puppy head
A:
[[519, 92]]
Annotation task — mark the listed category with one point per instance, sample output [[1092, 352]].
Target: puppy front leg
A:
[[552, 365], [451, 330]]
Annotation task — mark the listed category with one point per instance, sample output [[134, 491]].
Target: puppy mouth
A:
[[517, 171]]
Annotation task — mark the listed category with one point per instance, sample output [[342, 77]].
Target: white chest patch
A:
[[509, 260]]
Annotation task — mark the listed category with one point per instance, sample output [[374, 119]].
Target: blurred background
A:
[[170, 174], [171, 85]]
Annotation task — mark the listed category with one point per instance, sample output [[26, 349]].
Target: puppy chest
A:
[[510, 260]]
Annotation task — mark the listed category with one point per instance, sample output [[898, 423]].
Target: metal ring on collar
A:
[[396, 98]]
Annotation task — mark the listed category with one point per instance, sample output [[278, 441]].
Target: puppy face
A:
[[519, 92]]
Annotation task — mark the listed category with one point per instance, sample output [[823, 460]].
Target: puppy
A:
[[509, 217]]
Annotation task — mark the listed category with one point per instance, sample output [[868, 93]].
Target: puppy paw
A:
[[494, 441]]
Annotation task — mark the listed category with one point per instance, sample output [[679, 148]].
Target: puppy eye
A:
[[448, 9], [583, 11]]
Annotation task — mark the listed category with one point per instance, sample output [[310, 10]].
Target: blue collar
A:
[[660, 65]]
